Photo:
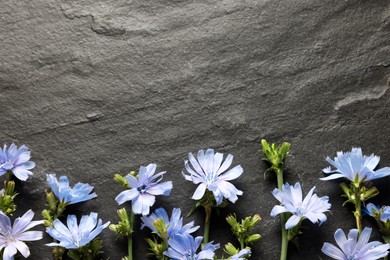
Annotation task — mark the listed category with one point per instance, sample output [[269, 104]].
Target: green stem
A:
[[283, 250], [358, 209], [130, 238], [206, 233], [9, 176], [242, 244]]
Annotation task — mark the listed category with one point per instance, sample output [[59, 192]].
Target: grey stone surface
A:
[[99, 87]]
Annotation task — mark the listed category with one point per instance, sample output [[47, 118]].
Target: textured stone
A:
[[100, 87]]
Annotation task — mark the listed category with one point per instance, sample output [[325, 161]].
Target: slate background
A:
[[99, 87]]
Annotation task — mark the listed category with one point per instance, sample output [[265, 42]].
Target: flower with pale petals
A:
[[185, 247], [312, 207], [374, 211], [67, 195], [211, 173], [76, 235], [12, 237], [241, 255], [355, 246], [351, 164], [17, 161], [144, 189], [174, 225]]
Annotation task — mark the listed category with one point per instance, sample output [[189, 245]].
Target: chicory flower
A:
[[11, 238], [184, 246], [350, 164], [352, 247], [67, 195], [374, 211], [144, 189], [174, 225], [239, 256], [76, 235], [16, 160], [312, 207], [210, 172]]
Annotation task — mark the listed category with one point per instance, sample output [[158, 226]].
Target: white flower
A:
[[355, 246], [11, 237], [74, 236], [350, 164], [290, 197], [210, 172]]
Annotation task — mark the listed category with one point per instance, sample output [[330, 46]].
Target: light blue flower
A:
[[76, 235], [349, 164], [185, 247], [212, 174], [144, 189], [374, 211], [67, 195], [239, 255], [353, 248], [312, 207], [16, 160], [174, 225], [11, 238]]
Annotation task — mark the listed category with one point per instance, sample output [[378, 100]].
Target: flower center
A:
[[211, 177], [9, 239], [142, 189], [300, 212], [190, 256]]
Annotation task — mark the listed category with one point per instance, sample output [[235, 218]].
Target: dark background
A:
[[99, 87]]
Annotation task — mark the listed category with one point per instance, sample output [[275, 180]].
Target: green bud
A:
[[284, 149], [51, 201], [9, 188], [243, 230], [113, 227], [46, 214], [232, 220], [161, 228], [157, 248], [230, 249], [121, 180], [253, 238], [7, 196], [122, 213], [123, 228], [275, 155], [60, 209], [255, 219], [368, 194]]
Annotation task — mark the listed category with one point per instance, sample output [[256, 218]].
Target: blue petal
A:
[[199, 192], [332, 251], [292, 221]]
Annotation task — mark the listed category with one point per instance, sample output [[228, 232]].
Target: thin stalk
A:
[[206, 233], [130, 238], [283, 250], [9, 176], [242, 244], [358, 209], [58, 251]]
